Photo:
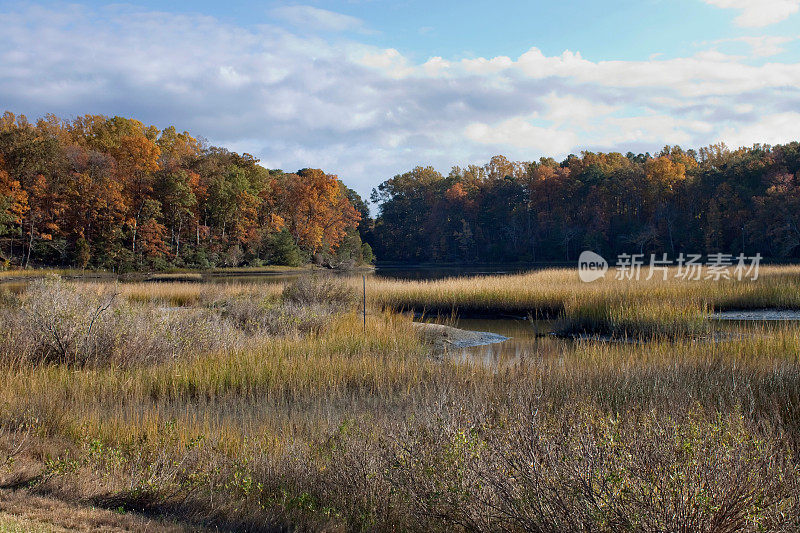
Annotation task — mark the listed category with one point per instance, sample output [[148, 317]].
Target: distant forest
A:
[[112, 193], [713, 200]]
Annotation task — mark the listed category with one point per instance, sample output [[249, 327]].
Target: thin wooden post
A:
[[364, 300]]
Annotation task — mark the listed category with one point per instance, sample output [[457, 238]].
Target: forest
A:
[[112, 193], [713, 200]]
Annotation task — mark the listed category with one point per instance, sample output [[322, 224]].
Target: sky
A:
[[367, 89]]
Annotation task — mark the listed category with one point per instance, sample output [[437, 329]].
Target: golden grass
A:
[[547, 292], [608, 306], [267, 269], [13, 524], [175, 276], [33, 273], [281, 401], [261, 382], [24, 512], [347, 429], [182, 294]]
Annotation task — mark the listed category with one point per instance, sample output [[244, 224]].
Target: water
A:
[[386, 272], [759, 315], [527, 341], [443, 272]]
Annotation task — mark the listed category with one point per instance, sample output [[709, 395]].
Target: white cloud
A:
[[759, 13], [645, 128], [572, 110], [314, 18], [708, 72], [760, 46], [776, 128], [766, 46], [389, 61], [295, 99], [520, 133]]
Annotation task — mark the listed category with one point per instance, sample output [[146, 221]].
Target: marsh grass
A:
[[340, 430], [183, 294], [546, 292], [316, 290], [365, 431], [55, 321], [32, 273], [646, 308], [175, 276], [621, 318]]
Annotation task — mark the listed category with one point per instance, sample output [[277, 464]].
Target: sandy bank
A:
[[446, 337]]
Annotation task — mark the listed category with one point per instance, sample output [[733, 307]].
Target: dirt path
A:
[[21, 511]]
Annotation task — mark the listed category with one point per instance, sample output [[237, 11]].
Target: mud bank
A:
[[446, 337]]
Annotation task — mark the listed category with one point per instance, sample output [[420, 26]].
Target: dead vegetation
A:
[[319, 426]]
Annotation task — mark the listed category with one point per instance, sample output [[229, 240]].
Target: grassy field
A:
[[254, 407], [610, 307], [169, 275]]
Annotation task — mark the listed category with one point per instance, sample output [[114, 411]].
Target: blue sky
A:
[[369, 88]]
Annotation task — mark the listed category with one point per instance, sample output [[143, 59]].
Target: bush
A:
[[200, 259], [276, 318], [580, 469], [59, 323], [284, 251], [311, 290], [63, 324]]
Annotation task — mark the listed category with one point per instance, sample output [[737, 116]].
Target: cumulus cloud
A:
[[775, 128], [520, 132], [295, 99], [759, 13], [573, 110]]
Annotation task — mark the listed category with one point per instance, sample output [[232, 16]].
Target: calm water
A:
[[527, 341], [430, 273], [388, 272]]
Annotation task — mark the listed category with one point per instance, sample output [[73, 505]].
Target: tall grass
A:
[[33, 273], [546, 293], [187, 294], [609, 306], [618, 317], [342, 429]]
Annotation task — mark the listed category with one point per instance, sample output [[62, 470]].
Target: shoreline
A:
[[10, 276], [442, 337]]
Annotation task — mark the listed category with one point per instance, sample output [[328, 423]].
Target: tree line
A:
[[113, 193], [712, 200]]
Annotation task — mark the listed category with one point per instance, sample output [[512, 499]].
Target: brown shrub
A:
[[320, 290], [57, 322]]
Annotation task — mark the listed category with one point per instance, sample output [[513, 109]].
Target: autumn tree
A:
[[318, 211], [113, 192]]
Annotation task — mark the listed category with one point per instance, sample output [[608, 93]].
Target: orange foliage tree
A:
[[320, 212], [115, 193]]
